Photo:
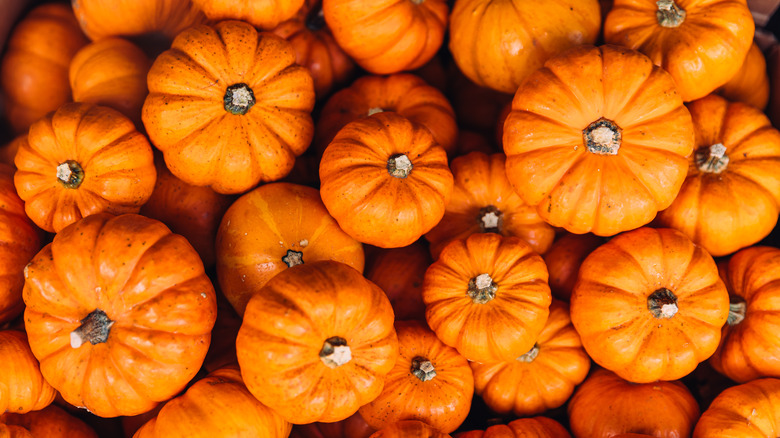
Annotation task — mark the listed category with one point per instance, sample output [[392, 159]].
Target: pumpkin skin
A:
[[51, 422], [606, 405], [20, 240], [248, 129], [748, 348], [470, 141], [607, 161], [649, 305], [749, 410], [400, 272], [731, 198], [329, 348], [34, 68], [111, 72], [563, 261], [541, 379], [353, 427], [388, 36], [409, 429], [222, 351], [483, 201], [537, 427], [385, 180], [217, 405], [119, 313], [403, 93], [264, 14], [436, 383], [81, 160], [24, 388], [751, 84], [491, 52], [272, 228], [702, 47]]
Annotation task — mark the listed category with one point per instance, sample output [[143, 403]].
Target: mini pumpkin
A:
[[536, 427], [119, 313], [749, 410], [24, 388], [597, 140], [400, 272], [50, 422], [264, 14], [563, 261], [649, 305], [751, 83], [81, 160], [228, 106], [353, 427], [385, 180], [409, 429]]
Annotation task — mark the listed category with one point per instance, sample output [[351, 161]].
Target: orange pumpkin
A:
[[405, 94], [731, 197], [750, 410], [264, 14], [328, 349], [409, 429], [24, 388], [217, 405], [194, 212], [498, 44], [483, 202], [649, 305], [537, 427], [51, 422], [119, 313], [229, 107], [506, 300], [563, 261], [751, 84], [222, 351], [353, 427], [430, 382], [272, 228], [385, 180], [700, 43], [597, 140], [34, 68], [111, 72], [748, 348], [8, 151], [541, 379], [20, 240], [81, 160], [399, 272], [606, 405], [388, 36]]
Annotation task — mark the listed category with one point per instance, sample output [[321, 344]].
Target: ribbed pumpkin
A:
[[119, 313], [409, 429], [264, 14], [563, 261], [597, 140], [81, 160], [400, 272], [272, 228], [51, 422], [536, 427], [328, 347], [24, 388], [751, 83], [353, 427], [228, 106], [750, 410]]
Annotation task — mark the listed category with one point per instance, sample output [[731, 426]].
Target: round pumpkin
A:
[[409, 429], [119, 313], [750, 410], [498, 44], [272, 228], [388, 36], [353, 427], [700, 43], [751, 83], [541, 379], [748, 349], [385, 180], [606, 405], [24, 388], [111, 72], [400, 272], [536, 427], [81, 160], [731, 197], [51, 422], [649, 305], [597, 140], [217, 405], [328, 347], [483, 201], [228, 107], [264, 14], [563, 261], [34, 68], [403, 93], [430, 382]]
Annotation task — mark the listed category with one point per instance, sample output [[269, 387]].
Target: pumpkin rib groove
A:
[[107, 148]]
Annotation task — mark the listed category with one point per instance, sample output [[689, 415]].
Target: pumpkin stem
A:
[[662, 303], [602, 137], [737, 311], [531, 355], [669, 14], [239, 98], [375, 110], [316, 20], [482, 289], [293, 258], [423, 369], [93, 329], [399, 165], [335, 352], [491, 219], [70, 174], [712, 159]]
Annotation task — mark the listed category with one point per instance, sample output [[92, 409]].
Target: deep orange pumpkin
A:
[[400, 272], [750, 410], [8, 150], [563, 261], [353, 427], [409, 429], [536, 427], [24, 388], [51, 422], [751, 83], [264, 14]]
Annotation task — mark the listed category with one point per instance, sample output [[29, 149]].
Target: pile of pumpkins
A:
[[388, 218]]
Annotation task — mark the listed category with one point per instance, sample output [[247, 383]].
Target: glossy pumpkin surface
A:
[[100, 19], [751, 83], [263, 14]]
